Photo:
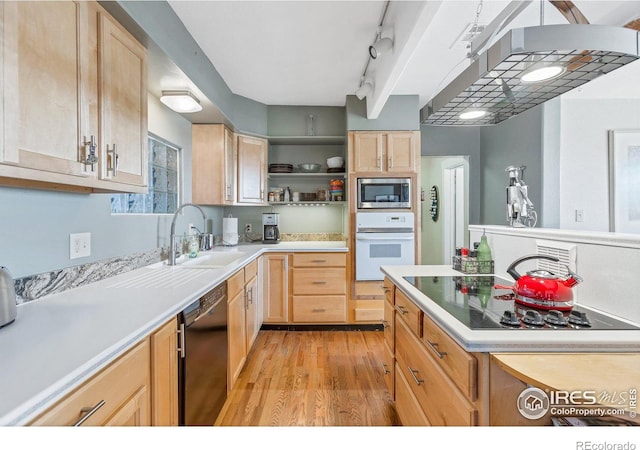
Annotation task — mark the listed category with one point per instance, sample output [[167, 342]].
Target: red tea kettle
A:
[[540, 288]]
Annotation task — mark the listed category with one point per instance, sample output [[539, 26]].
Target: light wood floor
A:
[[312, 378]]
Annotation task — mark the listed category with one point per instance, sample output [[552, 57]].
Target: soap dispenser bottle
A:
[[194, 245]]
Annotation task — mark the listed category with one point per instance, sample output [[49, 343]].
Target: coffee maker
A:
[[270, 231]]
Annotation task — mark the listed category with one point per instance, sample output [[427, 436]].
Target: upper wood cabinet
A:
[[252, 170], [123, 105], [214, 163], [70, 73], [384, 151]]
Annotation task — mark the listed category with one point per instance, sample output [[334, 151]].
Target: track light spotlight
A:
[[366, 88], [380, 47]]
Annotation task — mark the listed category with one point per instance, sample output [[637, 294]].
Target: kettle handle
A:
[[511, 270]]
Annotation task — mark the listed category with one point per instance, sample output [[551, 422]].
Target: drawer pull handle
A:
[[385, 324], [319, 282], [181, 341], [385, 370], [319, 261], [318, 310], [88, 412], [401, 310], [434, 347], [414, 374]]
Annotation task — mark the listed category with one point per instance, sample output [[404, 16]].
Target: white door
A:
[[454, 210]]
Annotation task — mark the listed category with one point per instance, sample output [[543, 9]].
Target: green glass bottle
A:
[[484, 256]]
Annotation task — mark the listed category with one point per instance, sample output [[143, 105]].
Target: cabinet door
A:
[[230, 164], [252, 169], [252, 305], [213, 165], [237, 336], [368, 148], [164, 375], [276, 288], [49, 73], [123, 105], [401, 152], [134, 413]]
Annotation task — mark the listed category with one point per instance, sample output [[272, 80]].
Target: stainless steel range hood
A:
[[492, 82]]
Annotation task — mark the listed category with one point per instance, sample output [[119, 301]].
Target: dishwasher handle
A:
[[181, 341]]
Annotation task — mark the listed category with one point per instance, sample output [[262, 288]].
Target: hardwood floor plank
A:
[[312, 378]]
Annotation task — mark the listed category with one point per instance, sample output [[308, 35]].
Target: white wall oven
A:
[[379, 193], [383, 238]]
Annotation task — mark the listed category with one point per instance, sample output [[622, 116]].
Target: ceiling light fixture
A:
[[380, 46], [366, 88], [472, 114], [181, 101], [508, 59], [544, 73]]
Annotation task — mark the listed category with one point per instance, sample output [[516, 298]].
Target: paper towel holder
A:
[[229, 231]]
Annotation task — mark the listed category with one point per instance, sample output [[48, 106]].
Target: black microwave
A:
[[378, 193]]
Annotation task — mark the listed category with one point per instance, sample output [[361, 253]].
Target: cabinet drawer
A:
[[441, 401], [408, 312], [235, 284], [116, 385], [251, 270], [315, 282], [388, 372], [315, 308], [319, 259], [409, 411], [388, 325], [459, 365], [389, 289]]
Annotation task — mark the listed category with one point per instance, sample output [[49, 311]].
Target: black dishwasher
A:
[[203, 358]]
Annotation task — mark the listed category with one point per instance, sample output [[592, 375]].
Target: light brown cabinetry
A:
[[236, 326], [252, 302], [276, 287], [319, 287], [71, 75], [384, 151], [118, 395], [214, 163], [252, 170], [164, 375]]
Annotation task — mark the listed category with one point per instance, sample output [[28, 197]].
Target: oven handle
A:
[[385, 238]]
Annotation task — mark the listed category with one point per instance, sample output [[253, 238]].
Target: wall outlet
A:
[[579, 215], [79, 245], [247, 228]]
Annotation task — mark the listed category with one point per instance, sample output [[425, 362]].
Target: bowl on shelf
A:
[[335, 162], [309, 167]]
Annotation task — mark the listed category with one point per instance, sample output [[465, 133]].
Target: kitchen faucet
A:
[[172, 246]]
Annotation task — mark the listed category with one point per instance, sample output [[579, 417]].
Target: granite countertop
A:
[[60, 340], [486, 340]]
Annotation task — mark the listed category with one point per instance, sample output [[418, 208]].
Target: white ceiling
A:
[[314, 52]]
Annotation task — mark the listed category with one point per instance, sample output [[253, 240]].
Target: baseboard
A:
[[338, 327]]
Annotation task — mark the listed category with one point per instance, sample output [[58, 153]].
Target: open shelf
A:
[[307, 203], [307, 174], [307, 140]]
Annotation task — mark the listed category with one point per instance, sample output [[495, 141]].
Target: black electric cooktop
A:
[[475, 302]]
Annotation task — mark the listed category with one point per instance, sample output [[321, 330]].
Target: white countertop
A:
[[60, 340], [509, 340]]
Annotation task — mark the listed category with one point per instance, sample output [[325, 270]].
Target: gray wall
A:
[[401, 112], [516, 141], [35, 225], [292, 120]]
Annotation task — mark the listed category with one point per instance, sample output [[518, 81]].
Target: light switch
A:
[[579, 215], [79, 245]]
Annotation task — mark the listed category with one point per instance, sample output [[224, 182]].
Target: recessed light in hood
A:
[[493, 81]]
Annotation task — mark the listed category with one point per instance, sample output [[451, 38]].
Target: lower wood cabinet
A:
[[118, 395], [407, 407], [164, 375], [236, 326], [275, 268]]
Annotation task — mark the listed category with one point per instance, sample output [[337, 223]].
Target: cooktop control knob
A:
[[579, 319], [510, 319], [533, 318], [556, 318]]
